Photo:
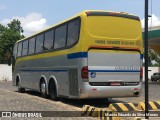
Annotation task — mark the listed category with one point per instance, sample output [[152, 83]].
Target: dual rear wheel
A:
[[20, 89], [43, 90], [51, 89]]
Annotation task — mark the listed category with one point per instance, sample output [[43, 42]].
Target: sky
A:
[[36, 15]]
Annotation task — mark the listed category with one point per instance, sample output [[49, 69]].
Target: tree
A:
[[15, 26], [153, 56], [8, 36]]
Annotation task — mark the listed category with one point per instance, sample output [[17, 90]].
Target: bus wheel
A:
[[53, 91], [20, 89], [43, 89]]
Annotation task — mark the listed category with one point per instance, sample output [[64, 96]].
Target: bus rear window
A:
[[73, 32]]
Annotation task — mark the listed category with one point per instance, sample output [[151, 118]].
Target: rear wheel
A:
[[20, 89], [53, 91], [43, 89]]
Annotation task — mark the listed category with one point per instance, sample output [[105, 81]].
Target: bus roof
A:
[[88, 13], [111, 13]]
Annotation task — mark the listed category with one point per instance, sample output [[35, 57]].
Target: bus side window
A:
[[60, 37], [31, 46], [25, 48], [39, 43], [19, 49], [48, 42], [73, 32]]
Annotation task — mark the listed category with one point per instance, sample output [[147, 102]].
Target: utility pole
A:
[[146, 59]]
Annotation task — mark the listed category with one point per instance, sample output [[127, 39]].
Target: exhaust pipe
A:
[[136, 93]]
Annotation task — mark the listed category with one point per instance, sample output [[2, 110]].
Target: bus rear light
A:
[[94, 88], [123, 12], [84, 72], [113, 13], [141, 74], [135, 89], [80, 90]]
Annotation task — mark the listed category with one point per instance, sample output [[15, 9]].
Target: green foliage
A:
[[8, 36], [15, 26], [153, 56]]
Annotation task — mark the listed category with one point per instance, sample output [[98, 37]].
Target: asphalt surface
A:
[[11, 100]]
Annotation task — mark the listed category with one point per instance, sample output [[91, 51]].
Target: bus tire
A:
[[43, 89], [20, 89], [53, 91]]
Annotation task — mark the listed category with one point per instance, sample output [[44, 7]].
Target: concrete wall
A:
[[5, 72]]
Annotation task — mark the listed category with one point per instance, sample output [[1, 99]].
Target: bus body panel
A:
[[113, 27], [89, 91], [112, 32], [99, 47], [113, 65], [114, 44], [31, 71]]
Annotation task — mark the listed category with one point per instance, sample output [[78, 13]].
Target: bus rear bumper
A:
[[89, 91]]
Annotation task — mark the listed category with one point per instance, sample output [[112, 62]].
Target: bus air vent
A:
[[73, 82]]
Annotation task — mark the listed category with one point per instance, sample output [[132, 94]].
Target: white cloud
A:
[[152, 21], [31, 23], [3, 7]]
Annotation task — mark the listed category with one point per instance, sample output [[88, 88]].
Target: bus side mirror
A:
[[10, 61]]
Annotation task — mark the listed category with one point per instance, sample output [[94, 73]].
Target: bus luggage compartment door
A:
[[113, 67]]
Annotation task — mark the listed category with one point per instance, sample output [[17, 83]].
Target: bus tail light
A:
[[84, 72], [141, 74]]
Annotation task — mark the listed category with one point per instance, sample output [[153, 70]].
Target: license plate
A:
[[115, 83]]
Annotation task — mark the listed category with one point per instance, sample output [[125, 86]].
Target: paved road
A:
[[11, 100]]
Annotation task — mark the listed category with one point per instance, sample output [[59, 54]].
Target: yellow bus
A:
[[95, 54]]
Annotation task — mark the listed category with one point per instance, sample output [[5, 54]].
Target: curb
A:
[[102, 115], [123, 107], [96, 112], [90, 111], [138, 118], [152, 105]]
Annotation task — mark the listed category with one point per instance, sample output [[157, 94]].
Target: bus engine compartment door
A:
[[113, 67]]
